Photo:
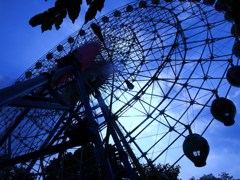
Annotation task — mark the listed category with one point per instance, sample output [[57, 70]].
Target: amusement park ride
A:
[[145, 79]]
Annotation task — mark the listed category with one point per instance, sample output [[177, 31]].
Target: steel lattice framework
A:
[[168, 60]]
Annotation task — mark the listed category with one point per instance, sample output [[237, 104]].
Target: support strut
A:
[[108, 174]]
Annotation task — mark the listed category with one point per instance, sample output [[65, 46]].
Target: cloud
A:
[[5, 81], [236, 93]]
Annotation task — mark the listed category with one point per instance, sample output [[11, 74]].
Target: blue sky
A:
[[21, 45]]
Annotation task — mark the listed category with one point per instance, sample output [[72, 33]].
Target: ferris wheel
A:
[[147, 79]]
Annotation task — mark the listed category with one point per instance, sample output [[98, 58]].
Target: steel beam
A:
[[21, 89]]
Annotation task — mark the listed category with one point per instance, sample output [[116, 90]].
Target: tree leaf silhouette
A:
[[95, 6], [99, 4], [73, 9], [88, 2], [90, 14], [97, 30], [56, 14], [58, 22], [38, 19]]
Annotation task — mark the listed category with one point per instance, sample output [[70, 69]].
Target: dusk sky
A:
[[21, 45]]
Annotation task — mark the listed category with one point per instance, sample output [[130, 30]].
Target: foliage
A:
[[222, 176], [225, 176], [166, 171], [71, 166], [56, 14], [83, 162], [208, 177], [15, 172], [169, 171]]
